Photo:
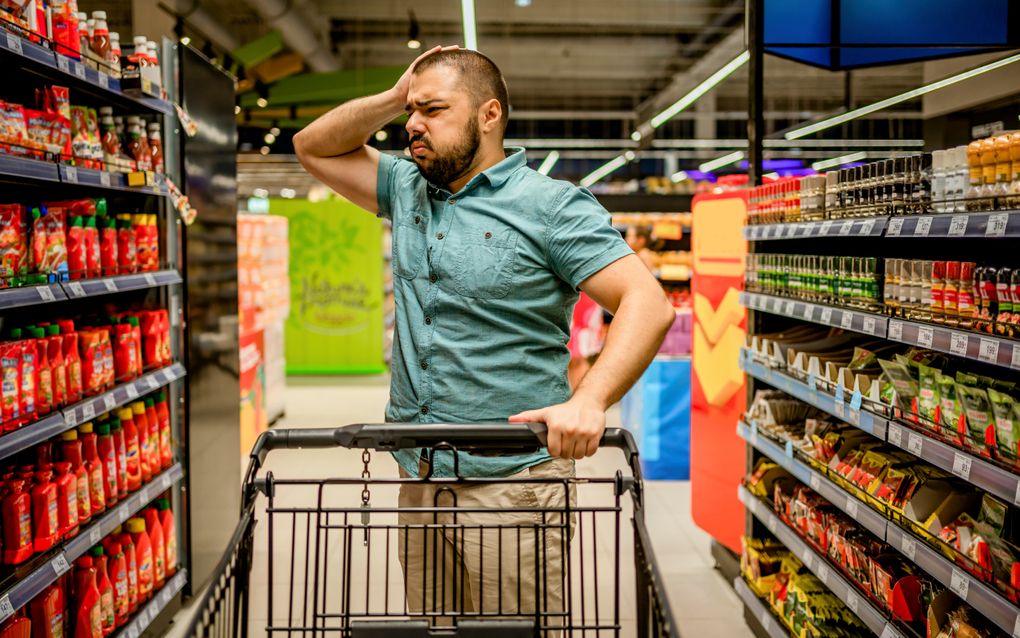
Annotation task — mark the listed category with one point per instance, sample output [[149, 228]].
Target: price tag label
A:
[[788, 308], [104, 177], [789, 449], [132, 391], [812, 382], [853, 601], [109, 402], [63, 64], [867, 227], [132, 631], [766, 622], [104, 81], [925, 335], [165, 482], [826, 315], [816, 482], [76, 289], [151, 382], [110, 285], [823, 572], [1016, 627], [846, 320], [809, 562], [840, 410], [123, 515], [869, 325], [923, 226], [856, 399], [959, 583], [889, 632], [961, 466], [988, 350], [908, 546], [95, 536], [826, 228], [60, 565], [1014, 359], [71, 174], [851, 507], [146, 497], [6, 608], [88, 411], [997, 223], [14, 43], [845, 228], [150, 279], [895, 435], [895, 330], [895, 227], [915, 443], [840, 392], [772, 523], [79, 70], [46, 294], [958, 225], [958, 344], [754, 434]]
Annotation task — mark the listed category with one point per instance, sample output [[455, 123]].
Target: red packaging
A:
[[154, 529], [141, 424], [107, 350], [67, 499], [92, 258], [151, 339], [28, 378], [55, 345], [80, 145], [166, 517], [76, 265], [88, 621], [127, 545], [44, 374], [17, 523], [166, 452], [49, 225], [117, 568], [91, 360], [108, 459], [143, 557], [125, 361], [10, 384], [44, 511], [108, 247], [13, 243], [72, 360], [70, 450], [127, 251], [120, 450], [165, 356], [136, 331], [47, 612], [94, 466], [155, 461], [132, 448], [141, 241], [13, 129], [105, 587]]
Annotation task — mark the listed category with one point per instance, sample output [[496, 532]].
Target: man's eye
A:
[[434, 109]]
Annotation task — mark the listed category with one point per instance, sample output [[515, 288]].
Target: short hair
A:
[[479, 74]]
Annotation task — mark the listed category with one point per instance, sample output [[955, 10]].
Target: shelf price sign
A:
[[997, 223]]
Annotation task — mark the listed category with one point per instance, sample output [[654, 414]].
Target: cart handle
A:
[[504, 437]]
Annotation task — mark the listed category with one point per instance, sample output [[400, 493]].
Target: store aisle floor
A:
[[702, 602]]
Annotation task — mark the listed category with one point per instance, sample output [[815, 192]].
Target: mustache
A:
[[423, 139]]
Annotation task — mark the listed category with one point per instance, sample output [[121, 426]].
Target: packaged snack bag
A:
[[13, 243], [980, 422], [1007, 427], [80, 144]]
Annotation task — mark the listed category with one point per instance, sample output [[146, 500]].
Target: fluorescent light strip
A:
[[467, 8], [839, 161], [707, 85], [549, 162], [678, 177], [896, 99], [719, 162], [623, 144], [603, 171]]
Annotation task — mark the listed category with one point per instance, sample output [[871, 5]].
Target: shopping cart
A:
[[327, 547]]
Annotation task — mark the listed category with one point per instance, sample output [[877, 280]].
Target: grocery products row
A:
[[981, 176]]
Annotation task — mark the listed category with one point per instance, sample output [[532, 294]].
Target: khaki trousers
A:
[[493, 563]]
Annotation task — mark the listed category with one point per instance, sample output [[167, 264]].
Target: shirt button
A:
[[453, 202], [417, 219], [424, 365], [488, 235], [440, 235], [424, 409], [433, 277], [428, 320]]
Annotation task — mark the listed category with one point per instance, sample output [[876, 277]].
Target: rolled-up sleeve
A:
[[580, 238], [394, 174]]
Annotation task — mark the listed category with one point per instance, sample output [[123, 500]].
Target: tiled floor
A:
[[704, 605]]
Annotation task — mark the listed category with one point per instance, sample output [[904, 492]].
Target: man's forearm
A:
[[638, 328], [347, 127]]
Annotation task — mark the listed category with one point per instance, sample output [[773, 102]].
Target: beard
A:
[[449, 164]]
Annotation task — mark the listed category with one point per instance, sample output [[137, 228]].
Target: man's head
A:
[[457, 103]]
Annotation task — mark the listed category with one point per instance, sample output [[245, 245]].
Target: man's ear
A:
[[491, 114]]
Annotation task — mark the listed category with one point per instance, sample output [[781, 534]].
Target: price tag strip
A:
[[997, 223]]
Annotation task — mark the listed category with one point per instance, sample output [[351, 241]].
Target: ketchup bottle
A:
[[133, 449], [92, 257], [121, 454], [88, 619], [117, 569], [44, 375], [72, 361], [70, 449], [166, 519], [144, 444], [155, 531], [127, 544], [108, 255], [76, 259], [105, 587], [67, 499], [166, 452], [47, 611], [97, 488], [108, 459], [17, 524], [143, 557], [44, 511], [155, 459], [55, 348], [127, 252]]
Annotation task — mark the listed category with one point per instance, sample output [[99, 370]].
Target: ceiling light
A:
[[603, 170], [275, 131], [185, 40], [549, 162], [707, 85], [414, 44], [719, 162], [839, 161], [896, 99], [288, 193], [522, 3], [381, 135], [636, 136], [262, 102], [260, 192], [467, 8], [413, 40], [678, 177], [269, 138], [264, 150], [629, 156]]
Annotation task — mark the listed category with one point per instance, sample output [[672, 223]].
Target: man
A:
[[488, 257]]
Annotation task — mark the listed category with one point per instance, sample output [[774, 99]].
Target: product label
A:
[[24, 528], [965, 302], [51, 511]]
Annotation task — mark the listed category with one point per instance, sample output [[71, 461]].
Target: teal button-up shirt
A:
[[485, 282]]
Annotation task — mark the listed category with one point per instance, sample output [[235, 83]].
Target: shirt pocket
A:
[[484, 263], [409, 245]]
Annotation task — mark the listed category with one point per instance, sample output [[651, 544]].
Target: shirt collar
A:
[[496, 174]]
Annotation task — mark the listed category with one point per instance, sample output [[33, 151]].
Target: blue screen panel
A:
[[923, 22], [851, 58], [798, 21], [816, 56]]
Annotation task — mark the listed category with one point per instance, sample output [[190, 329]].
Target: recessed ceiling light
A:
[[414, 44], [269, 138], [262, 102], [381, 135], [264, 150]]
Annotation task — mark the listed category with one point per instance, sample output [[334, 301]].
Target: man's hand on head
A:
[[404, 83], [575, 427]]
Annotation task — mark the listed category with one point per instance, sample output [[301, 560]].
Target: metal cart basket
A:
[[331, 550]]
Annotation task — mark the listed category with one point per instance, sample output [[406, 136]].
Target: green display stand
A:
[[336, 288]]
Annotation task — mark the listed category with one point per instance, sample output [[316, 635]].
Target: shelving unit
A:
[[772, 626], [997, 224], [163, 287]]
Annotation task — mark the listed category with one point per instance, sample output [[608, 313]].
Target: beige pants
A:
[[493, 563]]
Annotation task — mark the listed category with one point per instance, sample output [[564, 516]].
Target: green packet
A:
[[862, 360], [928, 401], [979, 413], [1007, 425], [902, 382], [949, 400]]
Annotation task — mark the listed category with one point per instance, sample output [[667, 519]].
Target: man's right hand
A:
[[402, 86]]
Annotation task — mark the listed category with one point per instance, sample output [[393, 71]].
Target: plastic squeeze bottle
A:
[[44, 511], [117, 569], [97, 488], [88, 620], [131, 444], [155, 530], [70, 450], [144, 444], [105, 588], [143, 557], [166, 452], [166, 519], [72, 360], [67, 499], [128, 547], [108, 459], [155, 463], [47, 613], [44, 385], [17, 523], [55, 347], [121, 453]]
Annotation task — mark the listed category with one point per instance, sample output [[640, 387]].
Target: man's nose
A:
[[414, 124]]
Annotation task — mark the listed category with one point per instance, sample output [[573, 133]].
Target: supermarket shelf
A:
[[970, 345], [870, 227], [840, 587], [873, 521], [141, 620], [872, 423], [57, 563], [63, 69], [855, 320], [768, 621], [24, 168], [121, 395], [973, 469], [992, 224], [121, 283], [988, 602], [31, 295], [106, 179]]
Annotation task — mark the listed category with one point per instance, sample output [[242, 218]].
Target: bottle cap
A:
[[125, 414], [15, 333], [149, 402], [140, 40], [103, 428], [63, 467], [115, 425], [98, 15], [85, 562], [70, 435], [133, 320], [162, 504], [135, 525], [161, 396], [97, 551], [76, 221], [114, 548], [52, 330], [38, 333], [138, 408]]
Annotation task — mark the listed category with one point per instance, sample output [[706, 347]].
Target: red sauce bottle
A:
[[105, 587], [67, 499], [88, 620], [117, 570], [166, 452], [90, 449], [166, 519], [58, 368], [121, 453], [70, 450], [108, 459], [17, 523], [133, 449], [44, 512]]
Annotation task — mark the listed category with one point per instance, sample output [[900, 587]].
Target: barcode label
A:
[[846, 320], [958, 344], [1016, 627], [104, 81], [14, 43], [925, 335], [104, 177], [95, 536], [150, 279], [88, 411], [816, 482], [853, 601], [151, 382], [788, 308], [823, 572], [1014, 359], [908, 546], [772, 523], [826, 315], [46, 294], [851, 507], [76, 289], [60, 565], [789, 449], [146, 497], [79, 70], [63, 64], [915, 444], [840, 409], [71, 174], [867, 227], [988, 350], [997, 223], [895, 435], [111, 285], [132, 391], [846, 228], [889, 632], [961, 466], [165, 482], [923, 226], [826, 228], [896, 330], [869, 325], [959, 583], [895, 226], [6, 608], [109, 402], [958, 225]]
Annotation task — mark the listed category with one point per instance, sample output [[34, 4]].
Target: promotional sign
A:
[[336, 276], [254, 418], [718, 395]]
